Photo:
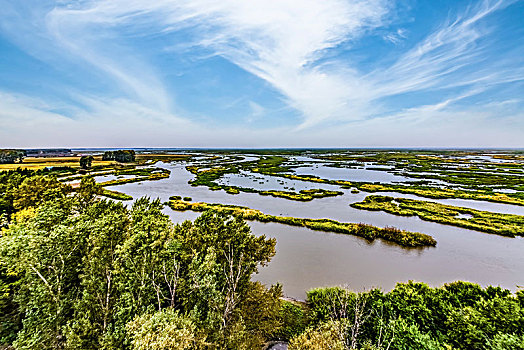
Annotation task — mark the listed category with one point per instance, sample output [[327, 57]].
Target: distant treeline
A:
[[11, 155], [122, 156], [49, 152]]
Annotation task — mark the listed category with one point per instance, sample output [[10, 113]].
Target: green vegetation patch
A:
[[303, 195], [369, 232], [122, 156], [501, 224], [268, 165], [459, 315], [149, 174], [115, 195], [271, 164], [443, 193], [8, 156], [422, 191], [207, 177]]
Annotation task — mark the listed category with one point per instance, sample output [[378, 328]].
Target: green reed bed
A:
[[419, 190], [152, 175], [502, 224], [369, 232], [115, 195]]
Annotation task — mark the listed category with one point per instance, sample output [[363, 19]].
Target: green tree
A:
[[92, 324], [86, 161], [87, 192], [220, 254], [122, 156], [324, 337], [9, 183], [164, 330], [11, 155], [46, 261], [405, 336], [38, 189], [507, 342]]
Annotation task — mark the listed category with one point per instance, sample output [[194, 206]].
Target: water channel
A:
[[306, 259]]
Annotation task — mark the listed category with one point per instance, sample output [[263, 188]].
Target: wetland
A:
[[329, 184], [366, 218]]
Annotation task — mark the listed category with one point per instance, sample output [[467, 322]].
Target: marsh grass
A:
[[208, 176], [115, 195], [149, 174], [502, 224], [422, 191], [369, 232]]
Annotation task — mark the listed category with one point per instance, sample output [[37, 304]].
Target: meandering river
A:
[[306, 259]]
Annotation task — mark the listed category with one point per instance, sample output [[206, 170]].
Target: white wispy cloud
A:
[[286, 43], [257, 112], [89, 36], [278, 41], [283, 41], [29, 122], [438, 60], [395, 37]]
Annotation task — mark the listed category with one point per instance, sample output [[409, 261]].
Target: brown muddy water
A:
[[307, 259]]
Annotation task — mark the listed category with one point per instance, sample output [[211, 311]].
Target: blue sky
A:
[[261, 73]]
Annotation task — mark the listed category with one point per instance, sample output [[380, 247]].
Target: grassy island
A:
[[208, 176], [115, 195], [147, 174], [501, 224], [418, 190], [369, 232]]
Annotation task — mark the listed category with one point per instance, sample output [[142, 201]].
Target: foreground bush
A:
[[459, 315]]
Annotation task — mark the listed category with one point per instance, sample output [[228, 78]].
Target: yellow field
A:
[[36, 163]]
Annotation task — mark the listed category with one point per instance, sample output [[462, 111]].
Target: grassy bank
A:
[[148, 174], [208, 176], [391, 234], [115, 195], [422, 191], [501, 224]]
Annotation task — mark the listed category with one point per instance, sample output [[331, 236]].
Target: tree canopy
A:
[[79, 272], [86, 161], [85, 273], [12, 155], [122, 156]]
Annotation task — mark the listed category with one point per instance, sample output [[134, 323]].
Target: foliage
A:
[[11, 155], [78, 272], [294, 319], [404, 238], [459, 315], [164, 330], [324, 337], [86, 161], [10, 181], [122, 156], [507, 342], [502, 224], [35, 190]]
